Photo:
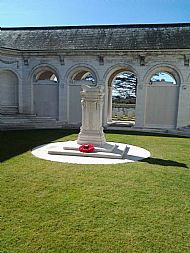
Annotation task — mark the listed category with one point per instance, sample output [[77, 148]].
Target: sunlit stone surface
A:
[[92, 105]]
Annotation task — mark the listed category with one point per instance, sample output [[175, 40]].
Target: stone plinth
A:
[[92, 105]]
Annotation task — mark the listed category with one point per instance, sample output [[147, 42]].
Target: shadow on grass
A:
[[162, 162], [13, 143]]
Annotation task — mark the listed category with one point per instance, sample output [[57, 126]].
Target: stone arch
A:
[[188, 79], [46, 75], [43, 68], [161, 103], [76, 73], [109, 76], [45, 84], [14, 71], [163, 68], [113, 70], [75, 78], [9, 95]]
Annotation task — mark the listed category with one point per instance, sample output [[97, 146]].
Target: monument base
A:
[[91, 137], [110, 153], [106, 151]]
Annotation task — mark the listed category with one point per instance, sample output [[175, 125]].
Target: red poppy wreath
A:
[[86, 148]]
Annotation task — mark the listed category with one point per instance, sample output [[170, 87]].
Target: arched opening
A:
[[77, 77], [162, 93], [45, 93], [46, 75], [122, 91], [84, 75], [162, 78], [9, 92]]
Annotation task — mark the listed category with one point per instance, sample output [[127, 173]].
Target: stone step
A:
[[185, 129], [28, 118], [27, 122], [28, 126], [24, 121]]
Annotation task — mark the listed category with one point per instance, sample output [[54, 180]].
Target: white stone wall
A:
[[45, 95], [161, 106], [67, 102], [8, 92]]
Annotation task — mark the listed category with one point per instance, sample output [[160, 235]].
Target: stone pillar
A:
[[61, 102], [183, 105], [109, 118], [140, 110], [91, 131], [20, 95]]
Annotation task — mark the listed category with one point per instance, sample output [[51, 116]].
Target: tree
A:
[[124, 85]]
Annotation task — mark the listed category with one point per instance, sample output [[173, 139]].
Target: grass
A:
[[49, 207], [123, 118]]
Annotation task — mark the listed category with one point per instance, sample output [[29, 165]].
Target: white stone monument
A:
[[91, 132], [92, 105]]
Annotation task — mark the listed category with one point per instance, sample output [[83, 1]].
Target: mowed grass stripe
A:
[[58, 207]]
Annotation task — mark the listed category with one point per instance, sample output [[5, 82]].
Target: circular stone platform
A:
[[133, 154]]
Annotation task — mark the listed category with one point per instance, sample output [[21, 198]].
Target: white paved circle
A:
[[134, 154]]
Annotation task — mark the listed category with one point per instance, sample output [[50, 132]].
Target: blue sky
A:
[[90, 12]]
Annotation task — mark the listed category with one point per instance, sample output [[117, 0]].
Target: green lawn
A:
[[132, 207]]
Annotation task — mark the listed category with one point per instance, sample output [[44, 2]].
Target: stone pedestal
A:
[[92, 105], [91, 132]]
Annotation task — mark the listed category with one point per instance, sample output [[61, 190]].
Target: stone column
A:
[[140, 110], [109, 118], [61, 101], [183, 105], [91, 131]]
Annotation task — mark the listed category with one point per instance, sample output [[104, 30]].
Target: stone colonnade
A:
[[26, 90]]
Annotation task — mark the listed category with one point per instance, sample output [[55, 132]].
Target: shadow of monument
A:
[[13, 143], [162, 162]]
